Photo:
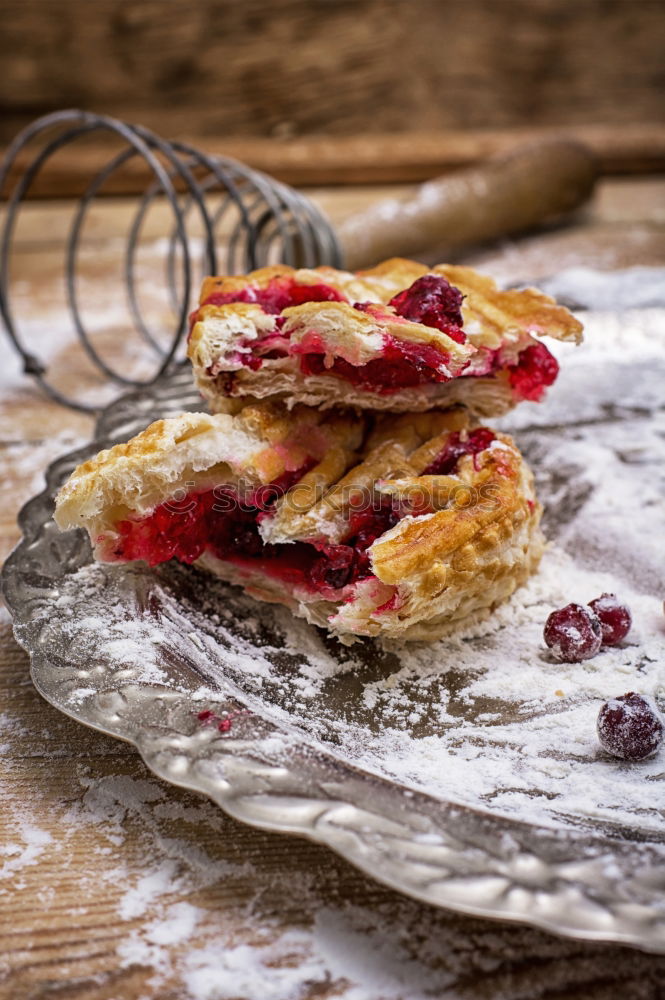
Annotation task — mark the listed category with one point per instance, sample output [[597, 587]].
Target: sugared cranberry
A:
[[615, 618], [630, 726], [573, 633], [435, 302]]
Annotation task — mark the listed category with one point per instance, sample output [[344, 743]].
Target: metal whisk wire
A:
[[273, 224]]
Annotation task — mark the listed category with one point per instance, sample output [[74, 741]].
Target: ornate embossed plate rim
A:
[[568, 882]]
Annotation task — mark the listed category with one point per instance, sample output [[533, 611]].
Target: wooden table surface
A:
[[115, 885]]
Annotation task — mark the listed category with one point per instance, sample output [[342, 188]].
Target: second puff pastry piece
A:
[[408, 528], [397, 337]]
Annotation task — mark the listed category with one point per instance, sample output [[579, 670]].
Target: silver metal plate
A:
[[288, 744]]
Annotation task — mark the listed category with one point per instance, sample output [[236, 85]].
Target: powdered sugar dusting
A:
[[631, 288], [488, 718], [140, 855], [30, 843]]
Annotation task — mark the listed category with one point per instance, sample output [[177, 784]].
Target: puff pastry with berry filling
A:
[[398, 337], [406, 529]]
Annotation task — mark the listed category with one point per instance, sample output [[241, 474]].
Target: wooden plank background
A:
[[343, 160], [292, 68]]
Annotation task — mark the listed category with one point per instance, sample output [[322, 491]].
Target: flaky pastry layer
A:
[[194, 452], [238, 349], [436, 518]]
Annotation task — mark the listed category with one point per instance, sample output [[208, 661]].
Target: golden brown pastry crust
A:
[[491, 314], [494, 321], [195, 451], [465, 541], [375, 284]]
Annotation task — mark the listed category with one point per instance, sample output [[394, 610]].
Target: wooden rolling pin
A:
[[503, 196]]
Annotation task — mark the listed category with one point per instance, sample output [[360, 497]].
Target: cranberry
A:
[[435, 302], [615, 618], [365, 539], [348, 563], [366, 525], [446, 463], [335, 567], [227, 525], [630, 726], [363, 565], [536, 368], [573, 633], [401, 365], [278, 294], [245, 538]]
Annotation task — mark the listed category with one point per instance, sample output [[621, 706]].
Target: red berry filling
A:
[[573, 633], [225, 524], [406, 364], [403, 364], [456, 446], [535, 369], [340, 565], [221, 522], [630, 727], [278, 294], [433, 301], [615, 618], [430, 300]]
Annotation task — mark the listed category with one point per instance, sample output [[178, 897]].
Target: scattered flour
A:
[[24, 464], [175, 926], [486, 719], [631, 288], [197, 949], [254, 972], [26, 852], [149, 887]]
